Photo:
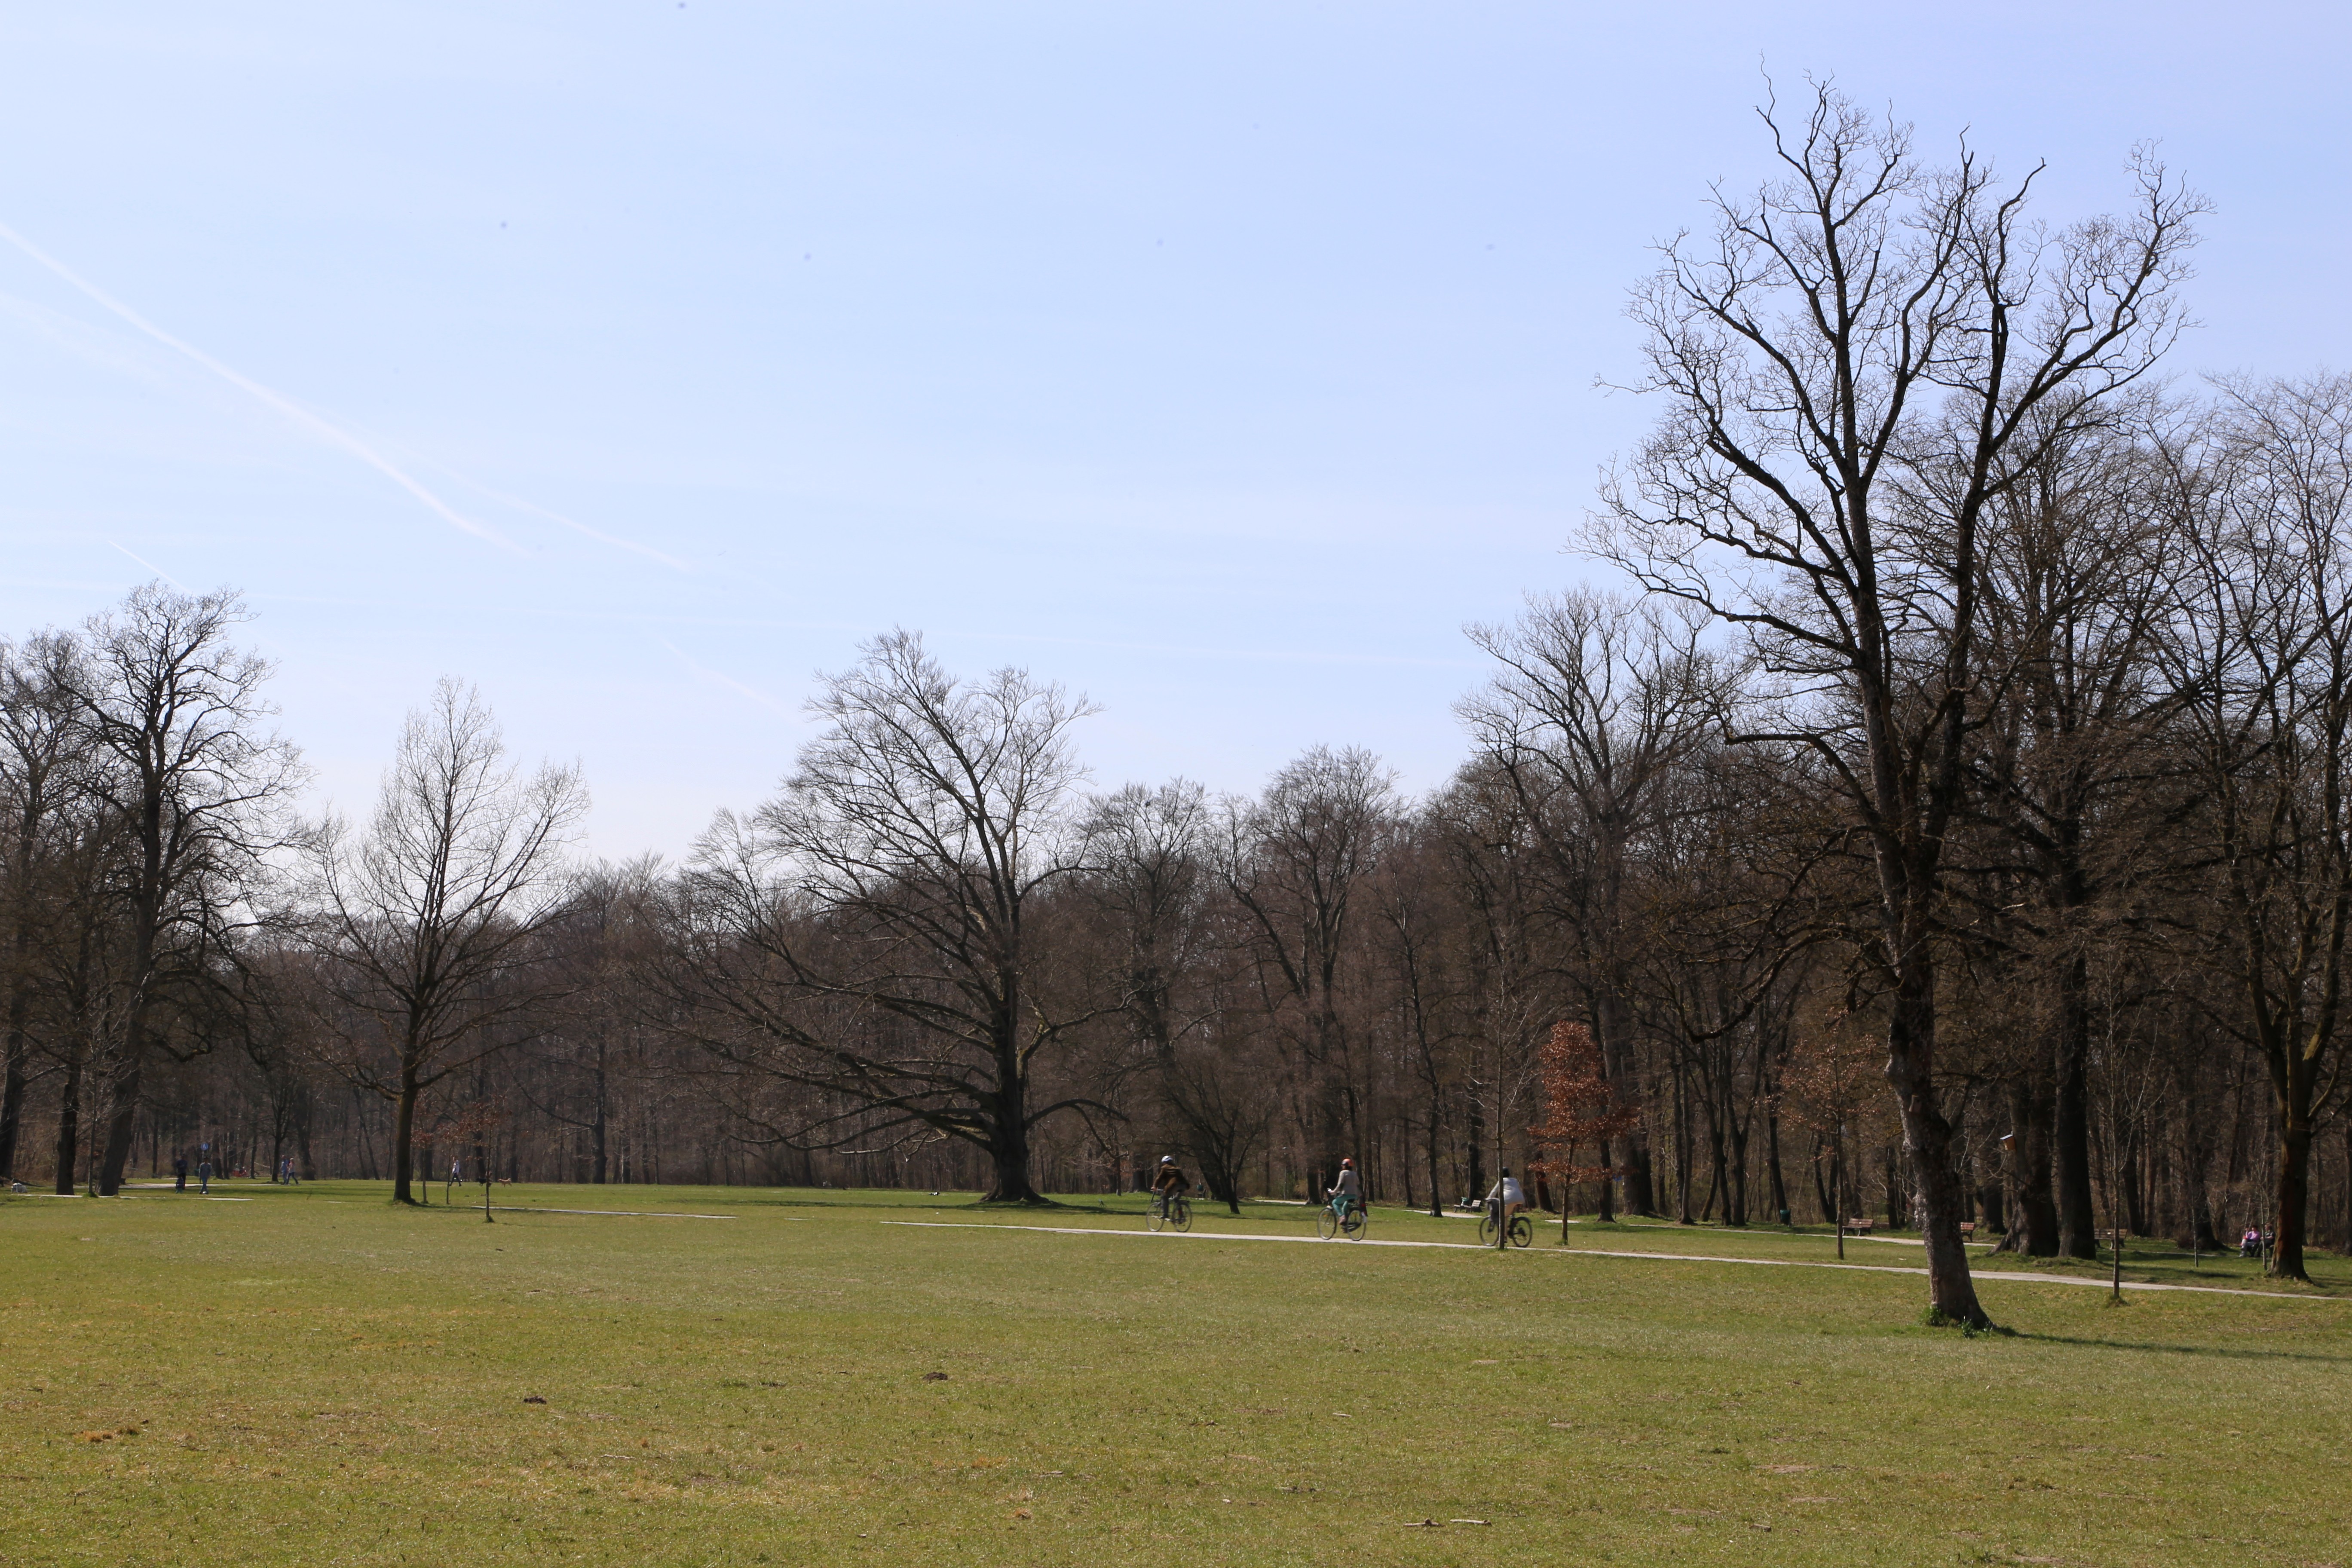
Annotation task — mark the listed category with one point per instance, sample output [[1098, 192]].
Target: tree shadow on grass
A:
[[2219, 1353], [923, 1203]]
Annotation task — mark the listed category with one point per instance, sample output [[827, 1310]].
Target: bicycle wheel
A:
[[1486, 1231], [1353, 1227], [1183, 1216], [1523, 1230], [1325, 1223], [1157, 1216]]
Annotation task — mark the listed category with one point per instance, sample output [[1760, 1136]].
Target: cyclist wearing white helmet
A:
[[1171, 1182]]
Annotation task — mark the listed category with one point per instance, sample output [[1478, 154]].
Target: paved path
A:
[[624, 1213], [1598, 1252]]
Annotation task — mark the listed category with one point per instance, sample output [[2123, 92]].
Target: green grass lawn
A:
[[314, 1377]]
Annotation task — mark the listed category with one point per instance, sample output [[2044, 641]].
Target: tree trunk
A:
[[1773, 1166], [598, 1128], [1988, 1204], [1477, 1145], [2294, 1212], [1617, 1062], [1008, 1145], [1928, 1138], [14, 1066], [68, 1125], [2135, 1192], [1682, 1146], [121, 1113], [1736, 1134], [404, 1128], [1437, 1197], [2070, 1133], [1008, 1154], [1718, 1180], [12, 1081], [2037, 1216]]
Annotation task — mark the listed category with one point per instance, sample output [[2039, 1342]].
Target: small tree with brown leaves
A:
[[1833, 1072], [1579, 1109]]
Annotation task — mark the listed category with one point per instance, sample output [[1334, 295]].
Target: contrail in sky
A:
[[762, 698], [150, 566], [617, 542], [332, 434]]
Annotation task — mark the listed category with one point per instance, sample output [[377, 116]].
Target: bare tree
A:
[[1151, 878], [1294, 861], [870, 934], [1595, 705], [1421, 928], [429, 922], [43, 764], [1859, 359], [2262, 648], [602, 942], [2076, 575], [199, 794]]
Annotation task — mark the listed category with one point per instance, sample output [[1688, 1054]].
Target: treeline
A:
[[1949, 823]]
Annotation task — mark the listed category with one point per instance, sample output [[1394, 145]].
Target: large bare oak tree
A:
[[1858, 358], [869, 937]]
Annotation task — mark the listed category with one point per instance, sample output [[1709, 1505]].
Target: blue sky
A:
[[1218, 360]]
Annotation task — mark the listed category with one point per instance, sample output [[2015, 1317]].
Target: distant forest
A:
[[1944, 817]]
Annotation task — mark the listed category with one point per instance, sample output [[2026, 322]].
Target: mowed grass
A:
[[314, 1376]]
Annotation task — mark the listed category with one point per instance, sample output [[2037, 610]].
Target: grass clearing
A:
[[316, 1377]]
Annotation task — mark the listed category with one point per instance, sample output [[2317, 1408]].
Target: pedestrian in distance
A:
[[204, 1177], [179, 1173]]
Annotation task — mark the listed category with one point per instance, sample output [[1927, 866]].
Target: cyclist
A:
[[1168, 1184], [1507, 1200], [1347, 1190]]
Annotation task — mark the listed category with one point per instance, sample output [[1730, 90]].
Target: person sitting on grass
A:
[[1168, 1184], [1348, 1189], [1507, 1200]]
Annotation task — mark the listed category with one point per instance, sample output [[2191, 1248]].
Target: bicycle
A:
[[1523, 1229], [1329, 1222], [1174, 1209]]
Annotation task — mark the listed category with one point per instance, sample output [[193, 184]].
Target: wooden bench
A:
[[1968, 1228], [1858, 1227]]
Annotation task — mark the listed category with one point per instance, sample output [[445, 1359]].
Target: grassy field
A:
[[310, 1377]]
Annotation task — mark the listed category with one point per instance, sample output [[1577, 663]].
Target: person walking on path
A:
[[204, 1175], [179, 1173]]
